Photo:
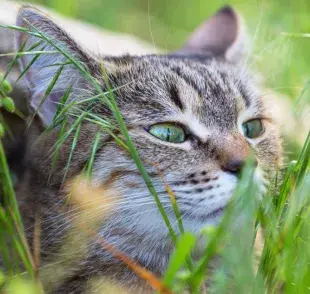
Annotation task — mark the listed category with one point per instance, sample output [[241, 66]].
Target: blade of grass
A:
[[90, 164], [176, 212], [16, 243], [5, 255], [179, 257], [29, 65], [18, 54], [7, 186], [74, 142], [137, 159], [12, 63], [295, 35], [48, 91], [142, 272], [303, 161], [55, 154], [6, 126], [62, 103]]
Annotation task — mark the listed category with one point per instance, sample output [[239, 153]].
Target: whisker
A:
[[92, 212], [150, 27], [253, 42], [67, 225]]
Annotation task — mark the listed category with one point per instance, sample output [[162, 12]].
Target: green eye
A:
[[253, 128], [168, 132]]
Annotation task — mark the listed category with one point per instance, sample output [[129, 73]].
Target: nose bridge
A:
[[232, 148]]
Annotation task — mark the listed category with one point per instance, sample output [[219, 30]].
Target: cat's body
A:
[[200, 91]]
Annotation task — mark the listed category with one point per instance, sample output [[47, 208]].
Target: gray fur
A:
[[205, 93]]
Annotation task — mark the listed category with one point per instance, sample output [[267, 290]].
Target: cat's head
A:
[[194, 117]]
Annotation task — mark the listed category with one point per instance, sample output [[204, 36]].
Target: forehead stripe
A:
[[174, 95], [187, 80]]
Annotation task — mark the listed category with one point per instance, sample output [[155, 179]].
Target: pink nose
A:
[[234, 151]]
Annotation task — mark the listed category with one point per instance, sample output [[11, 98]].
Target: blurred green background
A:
[[284, 61]]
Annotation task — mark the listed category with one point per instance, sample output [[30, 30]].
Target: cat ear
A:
[[222, 35], [41, 74]]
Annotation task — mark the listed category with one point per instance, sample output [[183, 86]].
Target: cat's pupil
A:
[[168, 134]]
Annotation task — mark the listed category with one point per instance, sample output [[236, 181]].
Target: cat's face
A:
[[194, 124], [194, 117]]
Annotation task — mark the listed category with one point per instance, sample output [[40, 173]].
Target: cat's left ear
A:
[[222, 36], [50, 74]]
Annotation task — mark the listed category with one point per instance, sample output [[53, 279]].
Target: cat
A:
[[194, 115]]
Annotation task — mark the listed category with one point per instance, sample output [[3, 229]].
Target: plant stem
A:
[[7, 185]]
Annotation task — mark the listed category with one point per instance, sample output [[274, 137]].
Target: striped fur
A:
[[202, 91]]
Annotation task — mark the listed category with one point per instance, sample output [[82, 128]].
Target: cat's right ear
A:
[[42, 69], [223, 35]]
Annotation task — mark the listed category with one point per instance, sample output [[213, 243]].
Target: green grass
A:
[[284, 217]]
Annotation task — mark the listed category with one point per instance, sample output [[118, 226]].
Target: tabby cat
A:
[[194, 116]]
